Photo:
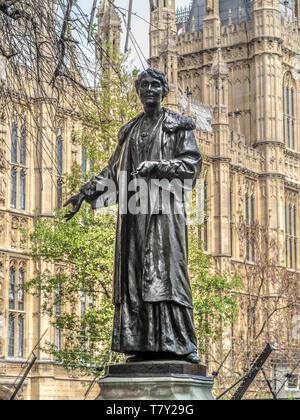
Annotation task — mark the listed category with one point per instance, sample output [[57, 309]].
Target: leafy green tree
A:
[[76, 286], [215, 304]]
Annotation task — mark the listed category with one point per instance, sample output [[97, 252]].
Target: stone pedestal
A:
[[165, 380]]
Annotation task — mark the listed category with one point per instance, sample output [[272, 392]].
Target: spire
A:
[[212, 7], [108, 15], [109, 30], [220, 77], [211, 24], [219, 67]]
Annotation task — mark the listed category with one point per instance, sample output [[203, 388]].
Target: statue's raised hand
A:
[[76, 202]]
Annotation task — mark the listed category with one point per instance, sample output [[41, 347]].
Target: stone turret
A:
[[221, 164], [109, 30], [211, 24], [163, 45]]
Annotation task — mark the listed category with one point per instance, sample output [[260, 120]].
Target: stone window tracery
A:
[[18, 171], [291, 233], [16, 308], [288, 110], [13, 188], [250, 220]]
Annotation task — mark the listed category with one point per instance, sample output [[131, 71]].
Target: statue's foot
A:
[[135, 359], [192, 358]]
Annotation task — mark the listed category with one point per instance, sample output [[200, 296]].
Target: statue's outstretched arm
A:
[[92, 190]]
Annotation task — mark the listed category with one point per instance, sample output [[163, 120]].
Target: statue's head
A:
[[152, 82]]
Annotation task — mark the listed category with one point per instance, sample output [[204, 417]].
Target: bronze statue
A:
[[152, 294]]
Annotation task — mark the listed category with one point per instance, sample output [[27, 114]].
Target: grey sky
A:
[[139, 27]]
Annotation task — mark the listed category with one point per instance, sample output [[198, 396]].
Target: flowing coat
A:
[[165, 274]]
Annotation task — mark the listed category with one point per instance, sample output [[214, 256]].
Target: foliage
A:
[[215, 305], [78, 265], [76, 257]]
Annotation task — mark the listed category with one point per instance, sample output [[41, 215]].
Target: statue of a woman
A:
[[152, 294]]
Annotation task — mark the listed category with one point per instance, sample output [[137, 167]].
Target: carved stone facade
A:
[[240, 66]]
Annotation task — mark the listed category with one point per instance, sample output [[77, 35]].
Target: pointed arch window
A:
[[289, 112], [288, 133], [22, 190], [18, 162], [58, 299], [11, 335], [20, 336], [247, 208], [14, 143], [23, 147], [250, 220], [16, 323], [59, 155], [13, 189], [21, 282], [252, 209], [57, 338], [12, 288], [91, 301], [291, 233], [59, 194], [83, 307]]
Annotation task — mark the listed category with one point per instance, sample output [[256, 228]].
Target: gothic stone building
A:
[[232, 66], [235, 66], [36, 149]]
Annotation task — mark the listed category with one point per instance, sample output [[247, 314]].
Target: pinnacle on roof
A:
[[108, 13], [219, 66]]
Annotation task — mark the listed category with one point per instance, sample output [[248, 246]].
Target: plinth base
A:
[[165, 380]]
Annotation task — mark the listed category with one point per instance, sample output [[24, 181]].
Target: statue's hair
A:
[[158, 74]]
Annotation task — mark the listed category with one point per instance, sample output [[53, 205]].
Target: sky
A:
[[139, 28]]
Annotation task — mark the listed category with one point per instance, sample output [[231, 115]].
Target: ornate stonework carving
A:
[[16, 237], [2, 228]]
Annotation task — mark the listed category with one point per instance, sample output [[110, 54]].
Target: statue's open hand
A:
[[145, 168], [76, 202]]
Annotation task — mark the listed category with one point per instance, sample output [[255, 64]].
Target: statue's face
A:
[[151, 90]]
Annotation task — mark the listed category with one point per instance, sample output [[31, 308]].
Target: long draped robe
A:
[[152, 293]]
